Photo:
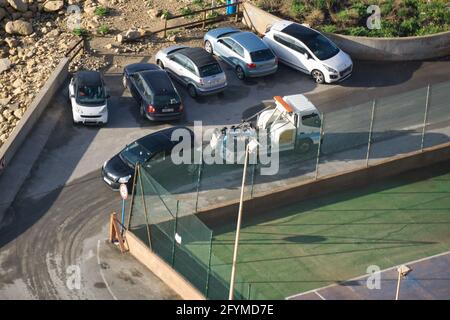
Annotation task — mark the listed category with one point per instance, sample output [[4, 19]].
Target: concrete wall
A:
[[327, 185], [34, 111], [365, 48], [161, 269]]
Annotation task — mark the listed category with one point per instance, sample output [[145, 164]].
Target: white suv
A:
[[309, 51]]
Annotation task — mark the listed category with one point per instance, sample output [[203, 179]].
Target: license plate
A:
[[168, 110], [107, 181]]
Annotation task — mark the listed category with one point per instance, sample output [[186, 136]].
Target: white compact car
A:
[[88, 97], [309, 51]]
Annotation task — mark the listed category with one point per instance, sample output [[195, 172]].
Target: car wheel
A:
[[304, 145], [318, 76], [208, 47], [192, 91], [142, 111], [240, 73], [124, 81], [160, 64]]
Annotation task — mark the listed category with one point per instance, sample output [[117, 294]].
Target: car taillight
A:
[[251, 65], [151, 109]]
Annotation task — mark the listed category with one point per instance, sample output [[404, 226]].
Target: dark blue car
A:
[[154, 92]]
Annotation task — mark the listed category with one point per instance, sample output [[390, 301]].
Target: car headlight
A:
[[125, 179], [78, 110], [331, 70]]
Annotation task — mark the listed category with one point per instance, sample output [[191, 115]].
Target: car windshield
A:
[[322, 48], [312, 120], [262, 55], [210, 70], [91, 94], [171, 98], [135, 153]]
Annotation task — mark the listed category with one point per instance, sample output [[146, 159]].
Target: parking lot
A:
[[60, 215]]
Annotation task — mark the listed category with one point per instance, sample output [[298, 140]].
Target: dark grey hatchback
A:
[[154, 92], [120, 168]]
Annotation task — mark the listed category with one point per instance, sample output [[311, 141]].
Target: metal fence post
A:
[[145, 209], [319, 147], [370, 132], [209, 266], [425, 117], [165, 27], [199, 178], [174, 235]]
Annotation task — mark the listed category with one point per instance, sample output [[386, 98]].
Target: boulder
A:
[[19, 27], [5, 64], [53, 5], [19, 5]]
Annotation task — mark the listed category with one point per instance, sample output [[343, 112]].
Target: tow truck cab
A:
[[294, 123]]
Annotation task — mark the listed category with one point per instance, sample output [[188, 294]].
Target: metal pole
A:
[[165, 27], [398, 286], [209, 266], [237, 12], [133, 193], [145, 209], [370, 132], [319, 147], [200, 169], [123, 216], [425, 118], [238, 228], [174, 234]]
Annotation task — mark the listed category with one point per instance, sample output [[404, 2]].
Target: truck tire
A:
[[304, 145]]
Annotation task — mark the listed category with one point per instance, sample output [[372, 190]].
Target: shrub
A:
[[103, 30], [315, 18], [80, 32], [101, 11], [297, 8], [330, 28]]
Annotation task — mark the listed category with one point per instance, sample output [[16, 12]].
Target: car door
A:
[[136, 87], [291, 52], [177, 68], [280, 46], [302, 57], [189, 71], [226, 50]]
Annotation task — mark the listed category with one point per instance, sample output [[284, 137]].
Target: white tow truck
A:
[[291, 123]]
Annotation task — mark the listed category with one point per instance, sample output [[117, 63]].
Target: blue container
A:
[[231, 9]]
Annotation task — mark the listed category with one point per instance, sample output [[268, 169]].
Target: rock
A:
[[19, 27], [154, 13], [53, 5], [5, 101], [11, 42], [18, 113], [5, 65], [172, 38], [19, 5]]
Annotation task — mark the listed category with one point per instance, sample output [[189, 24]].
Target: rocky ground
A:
[[36, 34]]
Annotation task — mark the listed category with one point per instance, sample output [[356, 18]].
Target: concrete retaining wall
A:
[[365, 48], [327, 185], [33, 113], [161, 269]]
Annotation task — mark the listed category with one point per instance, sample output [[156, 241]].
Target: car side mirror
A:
[[72, 96], [306, 55]]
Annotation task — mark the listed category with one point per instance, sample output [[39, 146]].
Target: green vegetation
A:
[[188, 12], [398, 18], [80, 32], [101, 11]]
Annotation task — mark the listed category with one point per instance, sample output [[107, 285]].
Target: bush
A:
[[101, 11], [103, 30], [297, 8], [330, 28], [80, 32]]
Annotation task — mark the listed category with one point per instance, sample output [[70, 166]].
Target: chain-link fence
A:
[[180, 238], [167, 196]]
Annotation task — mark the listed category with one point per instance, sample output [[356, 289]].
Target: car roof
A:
[[158, 80], [199, 56], [300, 103], [137, 67], [161, 140], [249, 41], [89, 78], [300, 32]]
